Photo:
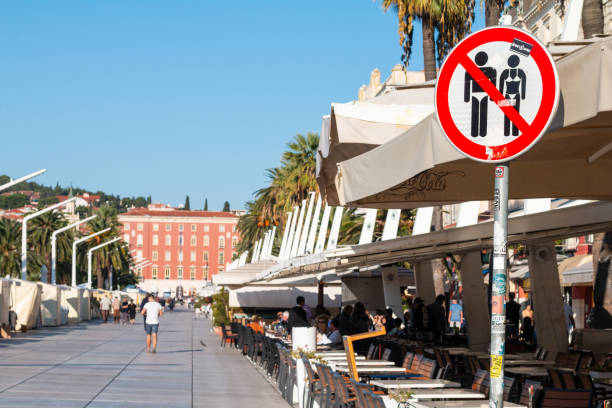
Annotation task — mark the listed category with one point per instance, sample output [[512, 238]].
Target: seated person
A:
[[332, 333], [397, 329]]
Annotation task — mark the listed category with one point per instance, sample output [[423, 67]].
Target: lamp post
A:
[[24, 234], [54, 244], [74, 247], [19, 180], [89, 252]]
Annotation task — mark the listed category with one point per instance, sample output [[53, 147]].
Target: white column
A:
[[475, 302], [367, 231], [305, 229], [54, 244], [271, 243], [392, 290], [323, 230], [423, 276], [298, 231], [74, 249], [89, 252], [312, 234], [332, 242], [287, 253], [21, 179], [255, 251], [264, 246], [391, 224], [281, 254]]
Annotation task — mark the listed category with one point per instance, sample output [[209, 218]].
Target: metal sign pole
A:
[[498, 288]]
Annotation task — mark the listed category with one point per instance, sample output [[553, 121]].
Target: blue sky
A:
[[170, 98]]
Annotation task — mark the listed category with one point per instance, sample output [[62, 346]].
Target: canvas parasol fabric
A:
[[356, 127], [50, 305], [572, 160]]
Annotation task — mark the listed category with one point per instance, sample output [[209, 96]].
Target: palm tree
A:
[[115, 255], [43, 227], [592, 18], [451, 19], [10, 250]]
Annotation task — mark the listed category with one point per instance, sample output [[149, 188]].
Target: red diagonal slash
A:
[[494, 93]]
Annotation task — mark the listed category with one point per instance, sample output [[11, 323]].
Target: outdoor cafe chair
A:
[[555, 378], [481, 384], [313, 391], [327, 386], [358, 389], [374, 400], [372, 351], [568, 379], [599, 393], [528, 392], [554, 398], [345, 395], [386, 355], [567, 360], [227, 336]]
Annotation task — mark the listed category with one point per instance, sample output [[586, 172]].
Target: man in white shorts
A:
[[152, 310]]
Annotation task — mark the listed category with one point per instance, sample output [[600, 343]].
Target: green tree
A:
[[187, 206], [9, 202], [226, 206], [206, 204], [444, 23], [148, 200], [47, 201], [39, 238], [10, 251]]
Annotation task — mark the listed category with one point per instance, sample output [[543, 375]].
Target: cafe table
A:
[[365, 363], [527, 371], [481, 403], [365, 371], [333, 359], [414, 384], [444, 393]]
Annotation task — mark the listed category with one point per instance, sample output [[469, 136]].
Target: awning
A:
[[242, 274], [354, 128], [573, 160], [577, 270]]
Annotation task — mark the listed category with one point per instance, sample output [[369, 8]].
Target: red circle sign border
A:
[[537, 128]]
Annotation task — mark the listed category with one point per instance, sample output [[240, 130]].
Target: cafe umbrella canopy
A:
[[420, 167]]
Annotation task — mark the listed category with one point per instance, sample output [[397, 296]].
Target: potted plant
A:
[[220, 305]]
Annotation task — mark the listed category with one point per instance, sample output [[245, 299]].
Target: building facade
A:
[[179, 247]]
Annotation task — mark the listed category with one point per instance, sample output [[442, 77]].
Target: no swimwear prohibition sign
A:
[[496, 94]]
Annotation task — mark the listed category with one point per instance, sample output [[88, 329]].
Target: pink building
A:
[[183, 247]]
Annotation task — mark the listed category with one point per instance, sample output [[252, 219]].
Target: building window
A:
[[221, 258], [233, 228], [221, 242], [206, 240], [192, 273], [205, 272], [193, 256], [168, 227], [180, 241], [168, 256], [126, 226], [154, 269], [168, 239], [180, 227], [155, 227], [220, 269], [194, 240], [205, 259], [221, 228], [139, 226], [167, 272], [180, 272], [139, 255], [234, 242], [194, 227], [155, 239], [126, 238], [154, 256], [180, 257], [139, 240], [206, 228]]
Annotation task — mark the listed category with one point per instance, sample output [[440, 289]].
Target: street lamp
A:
[[19, 180], [54, 244], [89, 258], [24, 234], [74, 247]]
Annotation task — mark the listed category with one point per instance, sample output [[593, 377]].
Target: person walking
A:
[[105, 305], [455, 315], [152, 310], [116, 307], [125, 311], [132, 311]]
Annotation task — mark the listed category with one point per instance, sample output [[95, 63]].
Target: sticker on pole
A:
[[496, 94]]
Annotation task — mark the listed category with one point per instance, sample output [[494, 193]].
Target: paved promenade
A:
[[105, 365]]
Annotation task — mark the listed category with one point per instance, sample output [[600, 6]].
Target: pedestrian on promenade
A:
[[105, 305], [132, 311], [116, 306], [152, 311], [145, 300], [125, 311], [455, 315]]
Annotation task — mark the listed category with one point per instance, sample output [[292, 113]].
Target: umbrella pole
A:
[[498, 285]]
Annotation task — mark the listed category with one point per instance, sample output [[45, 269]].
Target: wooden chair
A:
[[552, 398], [327, 386], [345, 394], [543, 355], [568, 379], [386, 355], [555, 378], [371, 351], [481, 382], [313, 391], [408, 359], [567, 360], [227, 336], [586, 359], [359, 389], [528, 392], [599, 393], [374, 401]]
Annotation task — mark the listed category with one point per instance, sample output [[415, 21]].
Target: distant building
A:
[[182, 247]]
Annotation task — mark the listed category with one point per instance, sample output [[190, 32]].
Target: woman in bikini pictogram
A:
[[512, 84]]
